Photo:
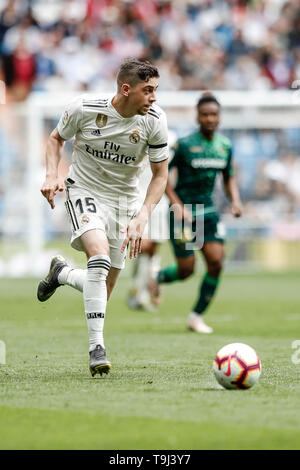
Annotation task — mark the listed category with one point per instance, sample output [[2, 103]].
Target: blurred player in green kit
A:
[[198, 158]]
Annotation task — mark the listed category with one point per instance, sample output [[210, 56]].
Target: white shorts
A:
[[87, 211]]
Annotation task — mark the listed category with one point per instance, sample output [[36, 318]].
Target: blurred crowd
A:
[[79, 44], [267, 166], [74, 45]]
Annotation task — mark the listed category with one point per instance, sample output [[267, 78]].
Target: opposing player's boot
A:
[[139, 300], [48, 286], [196, 323], [98, 361]]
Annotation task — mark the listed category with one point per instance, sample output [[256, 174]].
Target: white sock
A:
[[72, 277], [141, 274], [63, 275], [154, 265], [95, 297]]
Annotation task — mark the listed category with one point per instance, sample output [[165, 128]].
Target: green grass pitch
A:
[[161, 392]]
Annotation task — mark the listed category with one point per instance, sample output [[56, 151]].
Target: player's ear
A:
[[125, 89]]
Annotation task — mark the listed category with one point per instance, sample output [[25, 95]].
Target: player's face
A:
[[142, 96], [208, 117]]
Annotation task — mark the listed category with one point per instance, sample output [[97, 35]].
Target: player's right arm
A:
[[53, 182], [180, 211], [67, 127]]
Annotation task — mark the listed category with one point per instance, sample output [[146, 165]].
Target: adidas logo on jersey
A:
[[96, 132]]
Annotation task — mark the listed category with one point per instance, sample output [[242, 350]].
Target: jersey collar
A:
[[118, 115]]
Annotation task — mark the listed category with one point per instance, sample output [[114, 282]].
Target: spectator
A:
[[211, 44]]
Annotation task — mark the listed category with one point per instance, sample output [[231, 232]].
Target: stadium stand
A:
[[248, 46], [236, 44]]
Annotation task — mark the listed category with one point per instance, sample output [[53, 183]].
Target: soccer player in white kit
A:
[[113, 136]]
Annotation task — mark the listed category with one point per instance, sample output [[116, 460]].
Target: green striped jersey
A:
[[198, 162]]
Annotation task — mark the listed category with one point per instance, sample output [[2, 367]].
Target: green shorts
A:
[[185, 240]]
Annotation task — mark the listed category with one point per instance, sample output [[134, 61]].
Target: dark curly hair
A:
[[207, 97]]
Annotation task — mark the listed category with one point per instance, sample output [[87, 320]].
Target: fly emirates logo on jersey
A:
[[110, 152]]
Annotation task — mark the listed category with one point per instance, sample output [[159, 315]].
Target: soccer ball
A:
[[237, 365]]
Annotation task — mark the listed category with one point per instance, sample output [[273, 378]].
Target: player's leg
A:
[[154, 268], [213, 253], [88, 235], [92, 217], [60, 274], [158, 232], [147, 265], [75, 277], [51, 282], [105, 261], [184, 265], [185, 261], [182, 268], [111, 280], [88, 218], [143, 269], [96, 247]]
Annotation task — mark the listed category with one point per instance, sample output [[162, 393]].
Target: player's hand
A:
[[134, 232], [182, 213], [237, 209], [50, 187]]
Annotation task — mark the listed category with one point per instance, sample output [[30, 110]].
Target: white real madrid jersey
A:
[[109, 150]]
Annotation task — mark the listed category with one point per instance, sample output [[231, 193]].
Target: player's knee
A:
[[149, 248], [98, 267], [186, 271], [186, 267], [152, 250], [94, 249], [215, 267]]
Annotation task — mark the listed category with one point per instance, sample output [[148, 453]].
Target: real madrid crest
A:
[[85, 219], [101, 120], [65, 118], [135, 137]]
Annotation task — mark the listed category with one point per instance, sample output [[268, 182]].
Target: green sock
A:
[[207, 291], [169, 274]]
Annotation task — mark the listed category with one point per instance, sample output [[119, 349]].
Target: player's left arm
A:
[[231, 187], [156, 188], [232, 191]]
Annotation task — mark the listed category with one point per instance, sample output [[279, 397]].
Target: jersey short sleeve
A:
[[69, 122], [158, 139]]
